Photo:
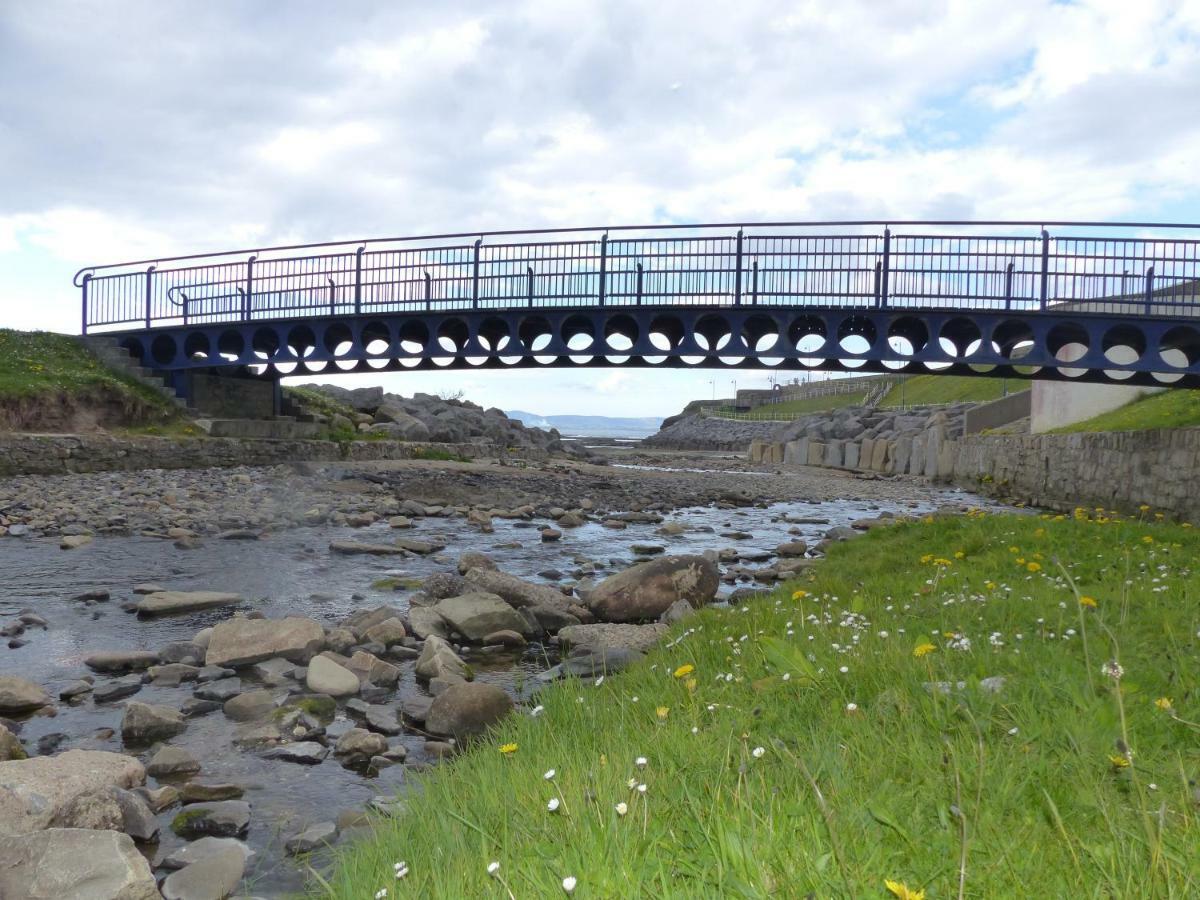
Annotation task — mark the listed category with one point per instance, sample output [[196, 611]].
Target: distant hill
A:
[[589, 426]]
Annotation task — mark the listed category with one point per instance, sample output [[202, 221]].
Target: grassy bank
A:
[[1179, 408], [936, 389], [55, 373], [794, 745]]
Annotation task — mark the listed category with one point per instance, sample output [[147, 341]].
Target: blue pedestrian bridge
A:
[[1088, 301]]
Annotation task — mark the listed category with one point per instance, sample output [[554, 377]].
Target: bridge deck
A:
[[986, 298]]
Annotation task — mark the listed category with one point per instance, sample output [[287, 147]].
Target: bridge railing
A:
[[1155, 270]]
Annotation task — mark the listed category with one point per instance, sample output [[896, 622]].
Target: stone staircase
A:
[[113, 355]]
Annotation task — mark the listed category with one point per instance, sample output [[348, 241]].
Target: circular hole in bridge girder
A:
[[301, 342], [620, 333], [265, 343], [907, 336], [856, 335], [494, 335], [579, 333], [231, 345], [338, 340], [535, 334], [958, 336], [1123, 345], [196, 346], [807, 335], [1179, 347], [163, 349], [1068, 342], [413, 336], [134, 348], [1014, 340], [378, 364], [376, 339]]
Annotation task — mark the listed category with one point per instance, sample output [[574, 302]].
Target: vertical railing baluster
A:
[[529, 286], [358, 255], [737, 272], [1149, 289], [149, 289], [475, 277], [638, 302], [248, 293], [428, 291], [86, 279], [603, 266], [754, 284], [883, 275], [1045, 289], [1008, 284], [332, 297]]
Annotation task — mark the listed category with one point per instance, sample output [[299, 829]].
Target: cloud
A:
[[134, 128]]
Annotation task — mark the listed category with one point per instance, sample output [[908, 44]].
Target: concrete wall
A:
[[997, 413], [227, 397], [58, 454], [1058, 403]]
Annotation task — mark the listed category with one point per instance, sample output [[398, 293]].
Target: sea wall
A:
[[56, 454]]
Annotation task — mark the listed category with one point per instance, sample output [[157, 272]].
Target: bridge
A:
[[1087, 301]]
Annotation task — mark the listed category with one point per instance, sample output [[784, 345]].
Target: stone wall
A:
[[56, 454], [1115, 469]]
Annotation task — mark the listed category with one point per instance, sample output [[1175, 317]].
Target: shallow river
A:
[[293, 573]]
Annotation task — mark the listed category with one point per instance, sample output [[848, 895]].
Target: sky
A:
[[145, 129]]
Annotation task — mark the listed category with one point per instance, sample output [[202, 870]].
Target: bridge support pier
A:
[[232, 396]]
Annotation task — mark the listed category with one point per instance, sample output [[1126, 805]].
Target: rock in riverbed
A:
[[327, 677], [19, 696], [145, 723], [465, 710], [241, 642], [167, 602], [228, 818], [74, 862], [478, 614], [69, 790], [213, 877], [645, 591]]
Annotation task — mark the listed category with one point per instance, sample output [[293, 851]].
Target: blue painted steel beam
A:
[[1066, 345]]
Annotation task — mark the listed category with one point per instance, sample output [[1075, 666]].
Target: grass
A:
[[1176, 408], [920, 390], [1064, 783], [796, 408], [38, 363]]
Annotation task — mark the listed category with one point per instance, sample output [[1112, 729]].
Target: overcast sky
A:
[[138, 129]]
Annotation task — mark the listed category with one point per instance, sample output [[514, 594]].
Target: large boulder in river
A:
[[241, 642], [520, 594], [162, 603], [602, 636], [20, 696], [438, 660], [465, 710], [479, 614], [644, 592], [70, 790], [74, 862], [145, 723], [327, 677]]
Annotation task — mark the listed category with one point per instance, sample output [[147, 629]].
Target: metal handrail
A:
[[673, 265], [598, 229]]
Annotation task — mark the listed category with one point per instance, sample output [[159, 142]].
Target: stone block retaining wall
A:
[[1116, 470], [57, 454]]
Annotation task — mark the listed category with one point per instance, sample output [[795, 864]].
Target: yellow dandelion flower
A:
[[1186, 525], [923, 649], [1089, 602], [958, 554], [506, 749], [685, 669], [1014, 549], [990, 585], [1144, 508], [662, 712], [903, 891], [1119, 762], [1020, 560], [1034, 567], [1147, 539], [1040, 532], [799, 595], [1163, 703], [942, 561], [690, 684], [927, 558]]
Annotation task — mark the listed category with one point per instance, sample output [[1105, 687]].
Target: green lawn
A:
[[1178, 408], [790, 409], [794, 746], [36, 363], [929, 389]]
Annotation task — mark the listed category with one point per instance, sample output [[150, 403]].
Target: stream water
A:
[[293, 573]]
